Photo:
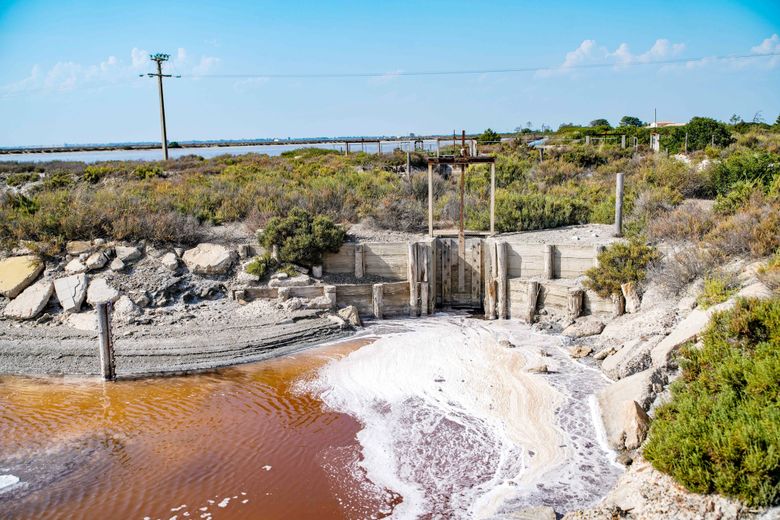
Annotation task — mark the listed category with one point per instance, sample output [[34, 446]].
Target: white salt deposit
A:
[[7, 481], [454, 424]]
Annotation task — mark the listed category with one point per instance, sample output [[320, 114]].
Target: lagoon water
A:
[[429, 418], [206, 152]]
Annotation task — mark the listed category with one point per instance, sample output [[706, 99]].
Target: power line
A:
[[481, 71]]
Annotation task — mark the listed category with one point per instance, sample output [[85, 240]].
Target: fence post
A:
[[377, 293], [501, 279], [619, 205], [107, 369], [492, 198], [408, 166], [623, 141], [549, 259]]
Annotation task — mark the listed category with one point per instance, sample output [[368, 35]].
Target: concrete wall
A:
[[386, 259], [553, 295], [569, 261]]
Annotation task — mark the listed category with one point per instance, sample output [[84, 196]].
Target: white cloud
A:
[[769, 45], [69, 75], [590, 52]]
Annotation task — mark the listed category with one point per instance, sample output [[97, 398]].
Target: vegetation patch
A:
[[718, 288], [619, 263], [301, 238], [721, 430]]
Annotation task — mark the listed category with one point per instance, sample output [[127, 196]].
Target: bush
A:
[[301, 238], [94, 173], [489, 137], [746, 166], [522, 212], [261, 265], [740, 193], [399, 213], [683, 267], [19, 179], [619, 263], [687, 222], [717, 289], [752, 231], [770, 273], [720, 432]]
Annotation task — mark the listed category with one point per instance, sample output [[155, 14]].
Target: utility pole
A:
[[159, 58]]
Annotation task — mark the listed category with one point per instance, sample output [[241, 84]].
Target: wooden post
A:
[[413, 276], [329, 291], [491, 273], [425, 308], [686, 142], [446, 272], [618, 305], [623, 141], [501, 280], [576, 297], [438, 147], [532, 294], [549, 259], [408, 165], [430, 199], [107, 367], [347, 149], [377, 293], [619, 205], [379, 147], [359, 266], [587, 140], [492, 198]]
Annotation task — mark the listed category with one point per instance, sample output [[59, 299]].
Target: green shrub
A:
[[94, 173], [746, 166], [19, 179], [522, 212], [740, 193], [489, 137], [770, 273], [308, 153], [717, 289], [261, 265], [147, 171], [57, 180], [720, 432], [301, 238], [619, 263]]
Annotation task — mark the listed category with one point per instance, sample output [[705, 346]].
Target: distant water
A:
[[206, 152]]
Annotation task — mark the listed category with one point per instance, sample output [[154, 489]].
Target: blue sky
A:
[[69, 70]]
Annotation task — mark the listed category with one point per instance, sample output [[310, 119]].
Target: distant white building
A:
[[663, 124]]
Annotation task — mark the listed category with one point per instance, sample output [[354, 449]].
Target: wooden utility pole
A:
[[159, 58]]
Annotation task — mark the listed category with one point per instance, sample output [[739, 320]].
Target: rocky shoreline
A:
[[635, 350]]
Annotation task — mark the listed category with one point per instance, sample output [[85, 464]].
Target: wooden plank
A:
[[341, 261], [307, 291], [501, 280], [446, 273], [359, 262], [376, 300], [476, 270]]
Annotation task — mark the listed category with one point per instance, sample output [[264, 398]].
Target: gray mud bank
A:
[[162, 350]]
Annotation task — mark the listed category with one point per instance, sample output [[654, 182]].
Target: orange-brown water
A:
[[238, 443]]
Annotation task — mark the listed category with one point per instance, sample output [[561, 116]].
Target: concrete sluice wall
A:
[[502, 276]]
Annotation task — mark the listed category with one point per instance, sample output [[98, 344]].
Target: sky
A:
[[69, 70]]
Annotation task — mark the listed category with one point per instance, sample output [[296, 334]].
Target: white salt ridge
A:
[[7, 481], [455, 425], [225, 501], [267, 467]]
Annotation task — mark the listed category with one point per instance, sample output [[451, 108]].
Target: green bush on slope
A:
[[721, 430]]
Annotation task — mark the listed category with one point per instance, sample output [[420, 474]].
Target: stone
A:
[[244, 277], [603, 353], [635, 424], [96, 261], [209, 259], [75, 266], [686, 303], [584, 327], [244, 251], [631, 297], [141, 298], [78, 247], [755, 290], [541, 369], [116, 265], [638, 387], [580, 351], [280, 276], [294, 281], [688, 329], [17, 273], [124, 308], [30, 302], [316, 271], [128, 254], [170, 261], [71, 291], [351, 315], [532, 513], [633, 357], [100, 292], [83, 321], [99, 242]]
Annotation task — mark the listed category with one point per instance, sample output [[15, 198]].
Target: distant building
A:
[[663, 124]]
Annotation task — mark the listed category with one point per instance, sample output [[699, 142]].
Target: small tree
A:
[[631, 121], [301, 238], [703, 131], [488, 137], [600, 122], [620, 263]]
